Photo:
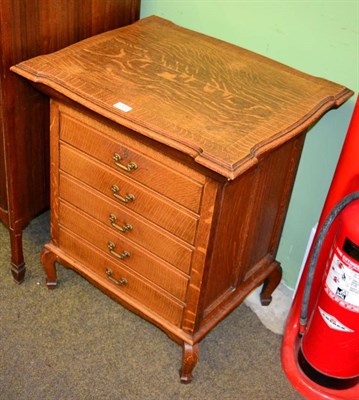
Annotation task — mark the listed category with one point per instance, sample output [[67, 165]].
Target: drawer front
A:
[[135, 288], [140, 164], [129, 194], [124, 252], [127, 224]]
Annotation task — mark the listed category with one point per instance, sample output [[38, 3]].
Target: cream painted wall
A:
[[317, 37]]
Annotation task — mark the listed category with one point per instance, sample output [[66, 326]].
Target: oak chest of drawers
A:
[[173, 157]]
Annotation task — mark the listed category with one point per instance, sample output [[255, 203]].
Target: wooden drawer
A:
[[136, 288], [118, 152], [136, 258], [152, 238], [147, 203]]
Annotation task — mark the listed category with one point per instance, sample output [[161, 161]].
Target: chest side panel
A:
[[251, 219]]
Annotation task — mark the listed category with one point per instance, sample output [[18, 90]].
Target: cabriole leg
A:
[[270, 285], [189, 361], [48, 259]]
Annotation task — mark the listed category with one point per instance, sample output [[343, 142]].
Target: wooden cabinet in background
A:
[[173, 157], [29, 28]]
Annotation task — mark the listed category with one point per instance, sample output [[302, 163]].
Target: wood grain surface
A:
[[216, 133], [29, 28], [223, 105], [153, 169], [139, 260], [147, 203], [151, 297], [167, 246]]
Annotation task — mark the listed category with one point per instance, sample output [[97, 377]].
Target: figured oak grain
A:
[[155, 300], [159, 176], [225, 108], [139, 260], [148, 235], [147, 203], [225, 126]]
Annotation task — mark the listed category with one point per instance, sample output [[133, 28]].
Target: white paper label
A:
[[122, 107]]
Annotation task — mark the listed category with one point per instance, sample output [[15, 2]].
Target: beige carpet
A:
[[75, 343]]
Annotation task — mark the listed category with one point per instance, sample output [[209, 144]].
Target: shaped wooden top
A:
[[222, 105]]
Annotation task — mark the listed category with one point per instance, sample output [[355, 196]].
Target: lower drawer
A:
[[142, 232], [139, 260], [134, 287]]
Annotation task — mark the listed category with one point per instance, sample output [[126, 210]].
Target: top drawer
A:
[[138, 161]]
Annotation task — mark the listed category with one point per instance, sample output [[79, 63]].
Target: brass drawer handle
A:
[[111, 246], [125, 228], [121, 282], [126, 199], [128, 168]]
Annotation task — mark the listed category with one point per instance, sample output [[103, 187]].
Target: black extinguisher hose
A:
[[338, 208]]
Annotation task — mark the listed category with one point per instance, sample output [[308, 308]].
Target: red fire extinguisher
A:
[[329, 349]]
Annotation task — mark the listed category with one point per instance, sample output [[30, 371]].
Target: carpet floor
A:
[[74, 343]]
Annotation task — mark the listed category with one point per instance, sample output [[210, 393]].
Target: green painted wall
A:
[[317, 37]]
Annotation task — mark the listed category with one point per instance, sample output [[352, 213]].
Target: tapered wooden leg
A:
[[269, 286], [189, 361], [48, 259], [17, 257]]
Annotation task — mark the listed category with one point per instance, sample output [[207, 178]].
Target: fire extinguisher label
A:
[[333, 322], [342, 283]]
